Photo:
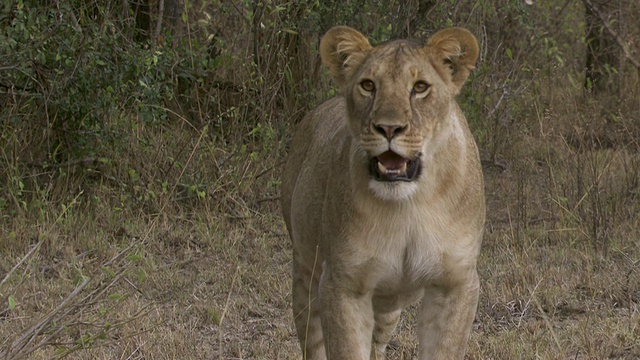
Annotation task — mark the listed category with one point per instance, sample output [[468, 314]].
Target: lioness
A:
[[383, 199]]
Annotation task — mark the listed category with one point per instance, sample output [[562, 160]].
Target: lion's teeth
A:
[[383, 170]]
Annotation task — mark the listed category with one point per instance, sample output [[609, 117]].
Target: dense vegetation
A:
[[142, 141]]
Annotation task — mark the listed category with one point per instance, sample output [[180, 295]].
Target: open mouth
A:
[[390, 166]]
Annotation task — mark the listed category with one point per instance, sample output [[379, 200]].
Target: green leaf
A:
[[115, 296], [12, 302], [134, 257]]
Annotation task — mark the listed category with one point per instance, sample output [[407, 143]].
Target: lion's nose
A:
[[390, 131]]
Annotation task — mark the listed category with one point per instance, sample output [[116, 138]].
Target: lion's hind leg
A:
[[306, 310]]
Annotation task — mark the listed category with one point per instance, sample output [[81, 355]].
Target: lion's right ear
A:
[[343, 50]]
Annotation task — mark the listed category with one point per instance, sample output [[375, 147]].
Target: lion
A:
[[383, 198]]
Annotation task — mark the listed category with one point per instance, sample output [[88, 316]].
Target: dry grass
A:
[[170, 245]]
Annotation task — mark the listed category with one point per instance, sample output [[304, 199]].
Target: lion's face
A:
[[397, 105], [399, 97]]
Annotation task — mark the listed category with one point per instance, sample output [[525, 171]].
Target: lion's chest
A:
[[414, 264], [395, 254]]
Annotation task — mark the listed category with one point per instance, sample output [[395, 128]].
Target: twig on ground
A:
[[24, 258]]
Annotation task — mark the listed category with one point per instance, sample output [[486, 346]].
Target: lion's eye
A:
[[420, 87], [368, 85]]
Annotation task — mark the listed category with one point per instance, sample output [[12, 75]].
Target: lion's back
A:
[[318, 140]]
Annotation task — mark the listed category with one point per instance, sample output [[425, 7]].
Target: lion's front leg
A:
[[446, 318], [385, 323], [347, 320]]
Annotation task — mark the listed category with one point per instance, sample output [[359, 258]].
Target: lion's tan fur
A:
[[364, 249]]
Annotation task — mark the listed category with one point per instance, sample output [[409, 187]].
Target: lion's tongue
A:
[[392, 161]]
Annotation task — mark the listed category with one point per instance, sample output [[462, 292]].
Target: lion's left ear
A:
[[458, 50]]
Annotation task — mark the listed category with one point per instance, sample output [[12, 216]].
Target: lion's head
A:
[[400, 97]]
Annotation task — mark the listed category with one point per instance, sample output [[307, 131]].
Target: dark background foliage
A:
[[119, 116]]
